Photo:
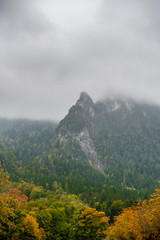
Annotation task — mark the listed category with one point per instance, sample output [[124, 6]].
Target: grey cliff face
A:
[[87, 146], [80, 117]]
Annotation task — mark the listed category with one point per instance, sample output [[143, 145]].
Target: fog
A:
[[52, 50]]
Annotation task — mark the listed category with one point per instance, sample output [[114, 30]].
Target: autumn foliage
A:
[[15, 224], [92, 225], [31, 229], [17, 194], [63, 217], [138, 222]]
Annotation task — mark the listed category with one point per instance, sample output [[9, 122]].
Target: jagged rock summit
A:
[[84, 100], [79, 125], [86, 103], [78, 117]]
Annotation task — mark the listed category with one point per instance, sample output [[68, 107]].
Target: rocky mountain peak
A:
[[79, 125], [86, 103]]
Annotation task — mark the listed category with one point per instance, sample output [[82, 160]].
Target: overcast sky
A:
[[51, 50]]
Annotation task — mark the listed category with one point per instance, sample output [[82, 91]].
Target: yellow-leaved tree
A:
[[138, 222], [92, 225], [31, 229]]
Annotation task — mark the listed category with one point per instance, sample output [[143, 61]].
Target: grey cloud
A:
[[53, 50], [22, 19]]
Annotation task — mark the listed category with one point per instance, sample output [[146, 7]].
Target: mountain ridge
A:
[[101, 126]]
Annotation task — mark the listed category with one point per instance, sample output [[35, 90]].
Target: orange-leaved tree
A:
[[17, 194], [126, 226], [138, 222]]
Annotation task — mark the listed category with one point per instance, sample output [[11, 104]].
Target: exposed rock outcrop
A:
[[79, 125]]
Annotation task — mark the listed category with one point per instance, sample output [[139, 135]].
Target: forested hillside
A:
[[30, 151], [128, 143], [23, 143]]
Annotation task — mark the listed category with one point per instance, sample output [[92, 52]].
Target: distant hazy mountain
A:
[[115, 142]]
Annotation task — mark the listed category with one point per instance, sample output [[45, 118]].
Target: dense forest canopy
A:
[[32, 212]]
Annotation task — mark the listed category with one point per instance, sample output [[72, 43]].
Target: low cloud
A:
[[53, 50]]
